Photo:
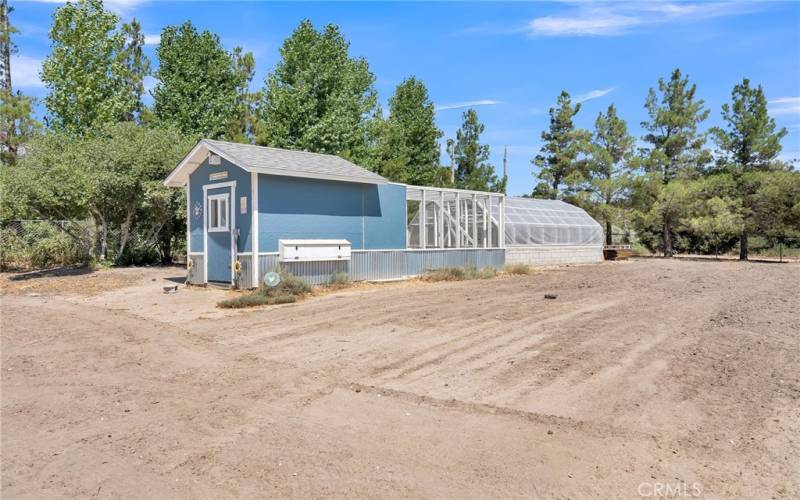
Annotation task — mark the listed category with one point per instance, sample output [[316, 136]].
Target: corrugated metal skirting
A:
[[198, 269], [317, 272], [396, 264], [246, 276], [373, 265]]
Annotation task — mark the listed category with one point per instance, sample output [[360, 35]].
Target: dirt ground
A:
[[647, 378]]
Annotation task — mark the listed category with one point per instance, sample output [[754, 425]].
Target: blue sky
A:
[[510, 60]]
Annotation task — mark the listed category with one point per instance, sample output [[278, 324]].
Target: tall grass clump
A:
[[459, 274], [517, 269], [338, 280]]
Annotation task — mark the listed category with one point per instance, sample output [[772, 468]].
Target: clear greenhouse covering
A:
[[529, 221]]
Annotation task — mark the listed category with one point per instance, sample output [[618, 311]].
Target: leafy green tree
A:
[[676, 148], [136, 65], [408, 144], [713, 212], [85, 71], [749, 143], [113, 177], [198, 82], [610, 166], [318, 98], [473, 170], [661, 202], [558, 160], [17, 124], [775, 205]]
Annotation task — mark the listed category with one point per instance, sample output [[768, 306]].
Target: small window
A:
[[218, 212]]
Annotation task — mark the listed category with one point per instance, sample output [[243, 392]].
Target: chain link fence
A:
[[41, 244]]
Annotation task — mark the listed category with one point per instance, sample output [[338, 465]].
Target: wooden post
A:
[[475, 221], [254, 227], [458, 219], [423, 234], [489, 209], [441, 219], [501, 238]]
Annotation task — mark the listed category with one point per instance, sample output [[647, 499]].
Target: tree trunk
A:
[[165, 246], [743, 248], [667, 235], [608, 233], [124, 234], [102, 236]]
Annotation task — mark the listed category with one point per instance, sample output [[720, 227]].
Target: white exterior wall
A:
[[551, 255]]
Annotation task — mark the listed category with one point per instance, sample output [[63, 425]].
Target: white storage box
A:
[[313, 250]]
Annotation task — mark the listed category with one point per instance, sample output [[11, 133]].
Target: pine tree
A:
[[609, 169], [749, 143], [136, 65], [563, 144], [198, 81], [676, 148], [318, 98], [17, 124], [473, 170], [85, 72], [243, 126]]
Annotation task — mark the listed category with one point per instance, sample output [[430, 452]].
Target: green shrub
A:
[[14, 254], [459, 274], [255, 299], [140, 255], [288, 290], [445, 274], [517, 269], [249, 300], [38, 245], [289, 285], [482, 274], [282, 299]]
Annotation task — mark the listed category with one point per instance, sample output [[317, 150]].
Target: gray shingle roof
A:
[[276, 161]]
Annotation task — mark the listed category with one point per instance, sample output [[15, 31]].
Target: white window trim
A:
[[227, 226]]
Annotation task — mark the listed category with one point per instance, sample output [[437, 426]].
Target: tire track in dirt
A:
[[486, 344]]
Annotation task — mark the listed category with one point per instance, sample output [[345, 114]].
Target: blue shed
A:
[[242, 199]]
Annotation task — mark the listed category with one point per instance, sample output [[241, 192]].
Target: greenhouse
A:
[[537, 232], [540, 232]]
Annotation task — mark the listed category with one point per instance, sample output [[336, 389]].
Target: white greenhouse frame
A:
[[454, 218]]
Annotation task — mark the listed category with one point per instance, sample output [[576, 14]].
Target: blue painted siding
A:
[[387, 230], [197, 180], [368, 216]]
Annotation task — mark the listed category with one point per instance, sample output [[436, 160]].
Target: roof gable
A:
[[273, 161]]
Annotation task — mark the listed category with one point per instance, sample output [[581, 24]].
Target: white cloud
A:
[[611, 19], [593, 94], [581, 25], [152, 39], [466, 104], [785, 106], [25, 71]]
